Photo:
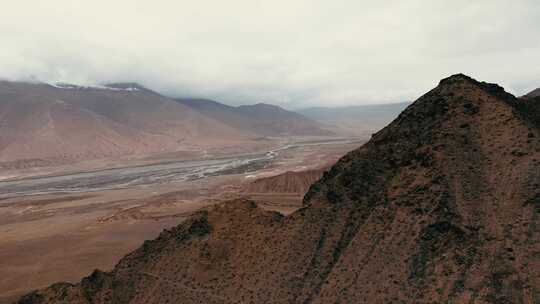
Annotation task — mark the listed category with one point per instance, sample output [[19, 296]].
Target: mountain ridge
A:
[[442, 205]]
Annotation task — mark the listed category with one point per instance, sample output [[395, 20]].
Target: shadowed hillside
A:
[[441, 206]]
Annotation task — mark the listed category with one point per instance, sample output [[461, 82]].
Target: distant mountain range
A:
[[359, 119], [43, 125]]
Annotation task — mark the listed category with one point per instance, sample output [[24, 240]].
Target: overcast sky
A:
[[294, 53]]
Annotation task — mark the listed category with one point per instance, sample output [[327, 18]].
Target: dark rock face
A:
[[441, 206]]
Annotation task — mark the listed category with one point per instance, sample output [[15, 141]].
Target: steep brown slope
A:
[[58, 124], [443, 205]]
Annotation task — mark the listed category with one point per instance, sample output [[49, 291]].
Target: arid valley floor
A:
[[52, 230]]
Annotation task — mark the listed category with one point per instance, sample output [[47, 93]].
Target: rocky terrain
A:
[[441, 206]]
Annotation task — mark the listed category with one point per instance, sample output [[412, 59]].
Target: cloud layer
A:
[[292, 52]]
